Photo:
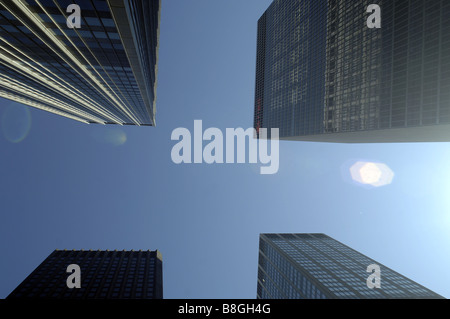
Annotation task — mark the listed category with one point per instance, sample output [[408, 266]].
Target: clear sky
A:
[[67, 185]]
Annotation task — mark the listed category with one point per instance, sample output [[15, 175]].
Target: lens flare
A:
[[373, 174], [111, 136], [16, 123]]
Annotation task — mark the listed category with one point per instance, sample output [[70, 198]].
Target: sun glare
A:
[[373, 174]]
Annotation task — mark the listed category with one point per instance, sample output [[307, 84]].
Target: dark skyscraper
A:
[[324, 75], [315, 266], [103, 70], [104, 275]]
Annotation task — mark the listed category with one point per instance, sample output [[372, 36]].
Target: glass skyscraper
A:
[[324, 75], [104, 275], [315, 266], [103, 72]]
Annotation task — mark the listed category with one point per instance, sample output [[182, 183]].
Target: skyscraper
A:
[[103, 275], [101, 70], [315, 266], [325, 74]]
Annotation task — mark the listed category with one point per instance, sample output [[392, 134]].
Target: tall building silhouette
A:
[[104, 275], [316, 266], [103, 72], [324, 75]]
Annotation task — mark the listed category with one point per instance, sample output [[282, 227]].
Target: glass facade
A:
[[315, 266], [289, 82], [323, 74], [104, 275], [103, 72], [415, 81], [352, 90]]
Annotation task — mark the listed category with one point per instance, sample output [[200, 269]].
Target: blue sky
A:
[[68, 185]]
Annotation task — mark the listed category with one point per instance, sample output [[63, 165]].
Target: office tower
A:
[[315, 266], [103, 275], [100, 68], [323, 74]]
